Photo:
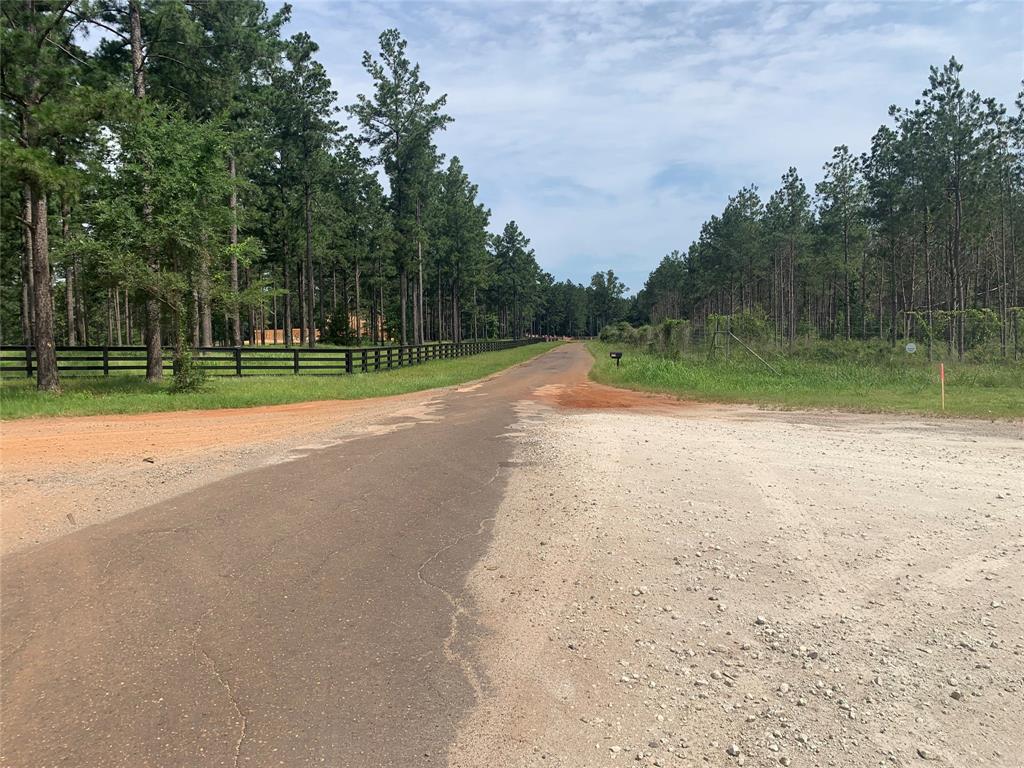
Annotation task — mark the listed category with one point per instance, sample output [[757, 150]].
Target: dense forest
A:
[[178, 174], [919, 238]]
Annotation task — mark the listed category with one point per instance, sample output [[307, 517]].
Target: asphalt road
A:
[[306, 614]]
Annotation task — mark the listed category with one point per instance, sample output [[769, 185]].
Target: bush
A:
[[620, 333], [188, 376]]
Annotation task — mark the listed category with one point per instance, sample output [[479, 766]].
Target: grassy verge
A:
[[131, 394], [972, 389]]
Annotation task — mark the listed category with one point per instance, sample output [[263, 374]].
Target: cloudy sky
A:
[[611, 131]]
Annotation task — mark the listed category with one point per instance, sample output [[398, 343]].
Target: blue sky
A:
[[610, 131]]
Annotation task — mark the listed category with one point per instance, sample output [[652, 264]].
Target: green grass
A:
[[972, 389], [131, 394]]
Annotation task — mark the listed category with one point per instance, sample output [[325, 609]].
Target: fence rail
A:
[[254, 361]]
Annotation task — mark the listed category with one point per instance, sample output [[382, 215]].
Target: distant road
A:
[[302, 615]]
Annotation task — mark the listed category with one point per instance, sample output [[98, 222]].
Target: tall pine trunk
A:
[[80, 315], [154, 345], [28, 315], [307, 199], [236, 318], [69, 271], [403, 293], [287, 300], [46, 354], [359, 305]]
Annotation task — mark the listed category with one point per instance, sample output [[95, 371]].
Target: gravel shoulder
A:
[[724, 586]]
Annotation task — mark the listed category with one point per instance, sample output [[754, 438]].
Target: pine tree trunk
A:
[[110, 319], [415, 312], [287, 300], [69, 272], [320, 298], [456, 315], [46, 354], [846, 279], [204, 310], [28, 314], [236, 319], [308, 269], [303, 325], [117, 317], [379, 325], [359, 304], [419, 287], [80, 316], [274, 319], [403, 293], [154, 350]]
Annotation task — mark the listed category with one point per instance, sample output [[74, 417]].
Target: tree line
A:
[[920, 237], [177, 174]]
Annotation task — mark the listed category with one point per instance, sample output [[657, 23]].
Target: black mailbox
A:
[[616, 356]]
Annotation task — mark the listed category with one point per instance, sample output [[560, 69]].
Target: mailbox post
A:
[[616, 356]]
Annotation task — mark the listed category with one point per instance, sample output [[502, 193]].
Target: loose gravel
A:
[[728, 587]]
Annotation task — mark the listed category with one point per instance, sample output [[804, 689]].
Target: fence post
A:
[[28, 361], [238, 361], [348, 361], [295, 361], [363, 360], [106, 361]]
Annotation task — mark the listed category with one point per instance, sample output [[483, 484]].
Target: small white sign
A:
[[911, 347]]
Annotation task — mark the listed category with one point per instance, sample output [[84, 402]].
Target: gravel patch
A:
[[733, 588]]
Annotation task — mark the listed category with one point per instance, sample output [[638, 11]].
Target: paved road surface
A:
[[303, 615]]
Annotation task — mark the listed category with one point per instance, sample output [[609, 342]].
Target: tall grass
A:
[[864, 380], [131, 394]]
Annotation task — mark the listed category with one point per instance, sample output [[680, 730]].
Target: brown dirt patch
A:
[[591, 396], [59, 474], [77, 439]]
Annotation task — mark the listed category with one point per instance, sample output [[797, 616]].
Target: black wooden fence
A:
[[258, 361]]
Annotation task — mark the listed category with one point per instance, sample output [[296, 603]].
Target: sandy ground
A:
[[59, 474], [717, 586]]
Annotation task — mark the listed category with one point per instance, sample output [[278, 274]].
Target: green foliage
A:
[[669, 337], [340, 331], [188, 376]]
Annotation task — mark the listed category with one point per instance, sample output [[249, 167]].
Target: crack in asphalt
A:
[[457, 610], [198, 650], [447, 646]]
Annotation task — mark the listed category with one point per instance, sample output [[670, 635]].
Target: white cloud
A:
[[601, 97]]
